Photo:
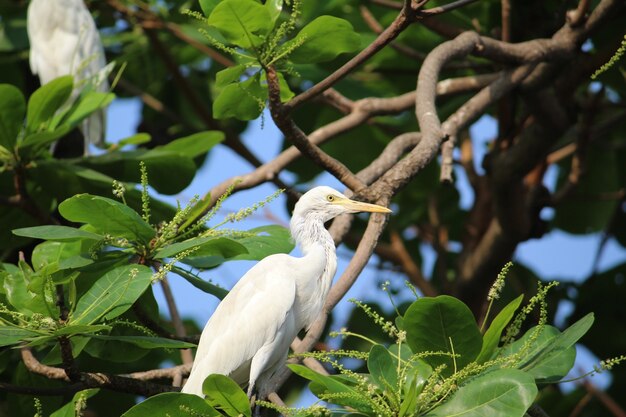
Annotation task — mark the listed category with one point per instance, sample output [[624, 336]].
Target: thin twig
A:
[[179, 328]]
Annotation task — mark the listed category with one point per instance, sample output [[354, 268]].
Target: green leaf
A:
[[274, 7], [148, 342], [494, 332], [112, 294], [161, 163], [382, 368], [244, 23], [12, 111], [207, 6], [46, 101], [107, 217], [10, 335], [69, 409], [195, 145], [207, 246], [20, 297], [432, 323], [137, 139], [268, 241], [229, 75], [80, 329], [225, 394], [558, 353], [201, 284], [84, 107], [243, 101], [43, 139], [56, 233], [172, 404], [326, 384], [323, 40], [505, 392], [56, 256], [416, 378]]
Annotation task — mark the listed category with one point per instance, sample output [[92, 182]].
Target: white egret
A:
[[64, 40], [248, 336]]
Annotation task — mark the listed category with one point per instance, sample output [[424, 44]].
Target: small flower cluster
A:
[[387, 326], [616, 57], [540, 298], [119, 190], [248, 211], [498, 284], [145, 197]]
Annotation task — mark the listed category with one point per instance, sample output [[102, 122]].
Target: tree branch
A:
[[137, 384]]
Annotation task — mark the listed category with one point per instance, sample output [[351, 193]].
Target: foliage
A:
[[409, 377]]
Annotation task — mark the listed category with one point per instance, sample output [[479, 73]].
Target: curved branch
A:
[[119, 383]]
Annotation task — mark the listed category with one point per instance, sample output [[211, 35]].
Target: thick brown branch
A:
[[300, 140], [119, 383]]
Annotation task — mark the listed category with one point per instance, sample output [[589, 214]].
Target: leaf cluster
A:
[[259, 35]]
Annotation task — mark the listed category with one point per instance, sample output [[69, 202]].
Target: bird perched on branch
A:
[[64, 40], [248, 336]]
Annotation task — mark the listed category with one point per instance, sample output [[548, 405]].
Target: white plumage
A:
[[64, 40], [248, 336]]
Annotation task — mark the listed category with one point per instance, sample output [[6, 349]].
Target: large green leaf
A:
[[229, 75], [196, 144], [242, 100], [443, 324], [16, 287], [268, 240], [10, 335], [505, 392], [221, 247], [322, 384], [207, 6], [225, 394], [201, 284], [46, 101], [322, 40], [55, 256], [112, 294], [12, 111], [148, 342], [56, 233], [557, 357], [274, 7], [80, 329], [539, 359], [160, 163], [172, 405], [244, 23], [107, 217], [37, 140], [84, 107], [494, 332], [382, 368]]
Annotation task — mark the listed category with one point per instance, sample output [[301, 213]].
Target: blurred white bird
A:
[[64, 40], [248, 336]]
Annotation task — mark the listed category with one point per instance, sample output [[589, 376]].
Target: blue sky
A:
[[557, 255]]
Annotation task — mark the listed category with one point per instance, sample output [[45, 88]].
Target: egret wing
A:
[[250, 317]]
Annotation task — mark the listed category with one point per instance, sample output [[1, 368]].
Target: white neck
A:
[[312, 237]]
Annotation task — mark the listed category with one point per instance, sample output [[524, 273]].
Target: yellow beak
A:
[[357, 206]]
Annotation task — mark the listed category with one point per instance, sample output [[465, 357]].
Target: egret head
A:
[[326, 203]]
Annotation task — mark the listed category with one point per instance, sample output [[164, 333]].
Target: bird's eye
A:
[[330, 198]]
